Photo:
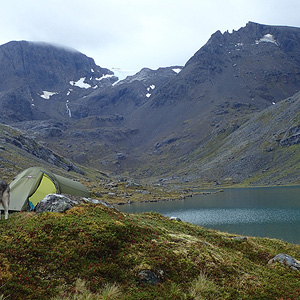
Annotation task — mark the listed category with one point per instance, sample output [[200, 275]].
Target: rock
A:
[[55, 203], [111, 195], [286, 260], [120, 156], [175, 219], [99, 195], [132, 184], [95, 201], [111, 185], [239, 238], [147, 276], [143, 192]]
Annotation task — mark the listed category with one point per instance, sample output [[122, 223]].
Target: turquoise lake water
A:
[[272, 212]]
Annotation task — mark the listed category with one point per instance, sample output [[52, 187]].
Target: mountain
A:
[[230, 77], [188, 124], [228, 81], [37, 80]]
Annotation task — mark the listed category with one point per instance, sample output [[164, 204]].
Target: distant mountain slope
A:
[[37, 80], [263, 151], [124, 96], [233, 74], [19, 151], [229, 80]]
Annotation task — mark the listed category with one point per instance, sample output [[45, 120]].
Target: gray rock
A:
[[132, 184], [143, 192], [120, 156], [147, 276], [239, 238], [95, 201], [175, 219], [111, 195], [286, 260], [55, 203]]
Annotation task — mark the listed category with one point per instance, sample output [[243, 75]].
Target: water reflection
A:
[[207, 217], [267, 212]]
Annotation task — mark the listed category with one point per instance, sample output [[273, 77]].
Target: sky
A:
[[132, 34]]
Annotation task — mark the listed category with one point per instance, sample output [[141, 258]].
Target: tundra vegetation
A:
[[96, 252]]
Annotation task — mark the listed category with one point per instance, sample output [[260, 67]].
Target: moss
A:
[[105, 248]]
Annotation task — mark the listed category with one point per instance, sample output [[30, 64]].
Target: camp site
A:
[[30, 187]]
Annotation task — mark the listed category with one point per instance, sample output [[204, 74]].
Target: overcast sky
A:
[[132, 34]]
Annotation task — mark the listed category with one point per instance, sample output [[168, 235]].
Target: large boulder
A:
[[55, 203], [286, 260]]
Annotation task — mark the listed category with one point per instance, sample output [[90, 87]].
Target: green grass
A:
[[95, 252]]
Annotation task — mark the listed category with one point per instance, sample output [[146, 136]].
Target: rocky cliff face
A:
[[254, 67], [37, 80]]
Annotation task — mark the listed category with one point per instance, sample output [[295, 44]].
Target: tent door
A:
[[45, 187]]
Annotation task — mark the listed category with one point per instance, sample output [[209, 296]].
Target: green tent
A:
[[33, 184]]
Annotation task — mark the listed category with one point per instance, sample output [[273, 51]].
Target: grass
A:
[[81, 292], [95, 252]]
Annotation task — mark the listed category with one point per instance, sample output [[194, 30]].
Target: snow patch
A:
[[47, 95], [268, 38], [92, 70], [80, 83], [239, 45], [176, 70], [151, 87], [69, 92], [104, 76]]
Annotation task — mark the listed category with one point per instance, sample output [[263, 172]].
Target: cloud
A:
[[136, 33]]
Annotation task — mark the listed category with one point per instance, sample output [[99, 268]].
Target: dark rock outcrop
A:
[[148, 276]]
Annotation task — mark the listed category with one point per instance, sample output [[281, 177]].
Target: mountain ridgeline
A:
[[229, 116]]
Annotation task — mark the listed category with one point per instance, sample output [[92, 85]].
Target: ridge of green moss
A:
[[41, 253]]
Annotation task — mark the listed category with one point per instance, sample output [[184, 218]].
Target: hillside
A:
[[261, 151], [19, 151], [227, 82], [100, 251]]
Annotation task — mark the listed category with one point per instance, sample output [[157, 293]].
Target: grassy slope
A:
[[46, 253]]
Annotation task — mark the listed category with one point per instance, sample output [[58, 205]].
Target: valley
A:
[[228, 117]]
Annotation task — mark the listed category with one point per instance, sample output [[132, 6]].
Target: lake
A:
[[272, 212]]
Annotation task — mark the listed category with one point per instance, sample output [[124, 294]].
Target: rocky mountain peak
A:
[[263, 60], [40, 71], [45, 66]]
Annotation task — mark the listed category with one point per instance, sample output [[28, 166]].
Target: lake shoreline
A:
[[272, 212]]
